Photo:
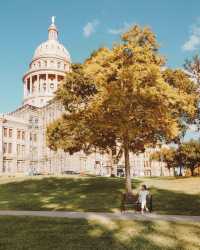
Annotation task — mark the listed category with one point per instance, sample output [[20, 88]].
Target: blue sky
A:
[[85, 25]]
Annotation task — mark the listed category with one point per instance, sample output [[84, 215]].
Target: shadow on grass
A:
[[87, 194], [58, 234], [177, 203], [69, 194]]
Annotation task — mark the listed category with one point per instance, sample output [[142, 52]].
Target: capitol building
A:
[[23, 148]]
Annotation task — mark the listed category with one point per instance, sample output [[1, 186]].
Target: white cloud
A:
[[90, 28], [194, 40], [120, 30]]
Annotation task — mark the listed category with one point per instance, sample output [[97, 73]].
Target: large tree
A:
[[125, 98]]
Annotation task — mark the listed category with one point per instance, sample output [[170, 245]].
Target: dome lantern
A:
[[53, 32]]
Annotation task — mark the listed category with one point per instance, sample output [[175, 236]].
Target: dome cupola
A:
[[53, 32], [52, 47], [48, 67]]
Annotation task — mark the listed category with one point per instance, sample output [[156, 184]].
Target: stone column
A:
[[37, 83], [14, 152], [25, 88], [56, 82], [47, 83], [31, 85], [27, 91]]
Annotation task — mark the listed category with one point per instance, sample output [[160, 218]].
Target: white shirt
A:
[[143, 195]]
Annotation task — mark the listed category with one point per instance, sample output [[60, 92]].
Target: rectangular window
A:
[[5, 147], [30, 136], [9, 148], [5, 131], [18, 134], [23, 150], [23, 135], [10, 132], [18, 149], [35, 137]]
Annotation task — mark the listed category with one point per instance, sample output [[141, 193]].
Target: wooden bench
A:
[[130, 201]]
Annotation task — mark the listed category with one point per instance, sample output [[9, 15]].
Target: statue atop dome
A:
[[53, 19], [53, 32]]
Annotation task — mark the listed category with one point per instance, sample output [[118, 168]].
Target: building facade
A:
[[23, 146]]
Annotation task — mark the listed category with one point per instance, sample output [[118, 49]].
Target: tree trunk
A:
[[112, 172], [174, 171], [127, 168], [180, 170], [192, 171]]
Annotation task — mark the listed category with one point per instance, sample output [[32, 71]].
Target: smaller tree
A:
[[192, 66], [186, 155], [167, 155], [190, 154]]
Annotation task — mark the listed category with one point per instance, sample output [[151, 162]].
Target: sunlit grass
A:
[[29, 233], [188, 185], [170, 195]]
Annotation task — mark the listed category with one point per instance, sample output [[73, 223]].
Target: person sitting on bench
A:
[[142, 199]]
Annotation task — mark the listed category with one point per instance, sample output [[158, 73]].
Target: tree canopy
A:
[[123, 96]]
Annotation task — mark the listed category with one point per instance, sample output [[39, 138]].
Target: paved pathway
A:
[[94, 215]]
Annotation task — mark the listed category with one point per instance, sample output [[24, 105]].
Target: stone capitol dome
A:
[[48, 67]]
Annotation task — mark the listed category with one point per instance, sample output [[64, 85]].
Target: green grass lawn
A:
[[28, 233], [170, 195]]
